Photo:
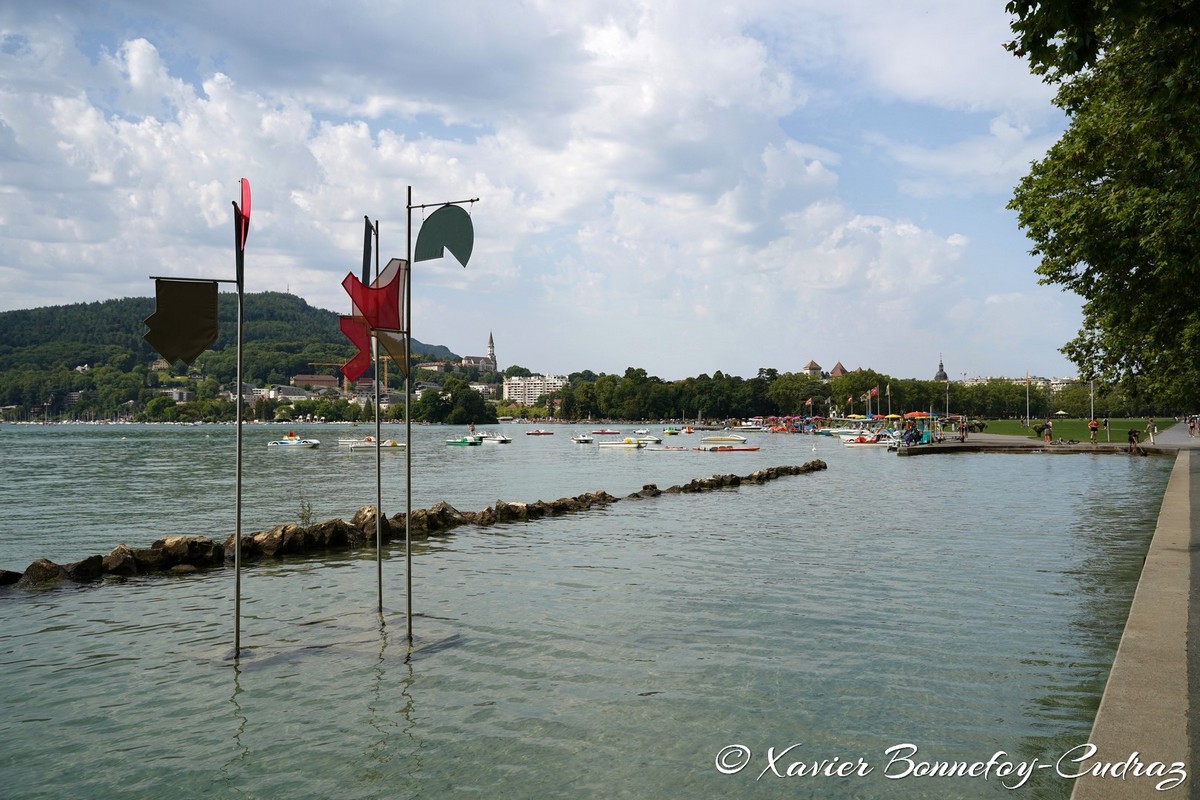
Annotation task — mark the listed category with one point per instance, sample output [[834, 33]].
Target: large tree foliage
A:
[[1112, 210]]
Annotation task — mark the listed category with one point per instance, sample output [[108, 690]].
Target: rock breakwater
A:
[[185, 554]]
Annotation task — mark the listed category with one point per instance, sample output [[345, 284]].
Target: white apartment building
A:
[[526, 391]]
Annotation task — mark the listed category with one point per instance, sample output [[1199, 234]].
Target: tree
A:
[[1112, 209]]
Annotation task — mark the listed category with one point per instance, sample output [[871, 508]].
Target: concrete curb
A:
[[1145, 710]]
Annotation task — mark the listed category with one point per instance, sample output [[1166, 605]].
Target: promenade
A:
[[1148, 706]]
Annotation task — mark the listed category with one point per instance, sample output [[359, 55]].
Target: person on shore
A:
[[1151, 429], [1093, 427], [1134, 435], [1191, 427], [1048, 430]]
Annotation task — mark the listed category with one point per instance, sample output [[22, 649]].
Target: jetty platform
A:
[[1000, 443], [1150, 709]]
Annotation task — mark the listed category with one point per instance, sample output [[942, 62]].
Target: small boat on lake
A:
[[294, 441], [726, 438], [629, 443], [879, 439], [649, 438], [386, 444], [582, 438], [539, 432], [495, 438], [726, 448], [465, 441], [605, 432], [352, 442]]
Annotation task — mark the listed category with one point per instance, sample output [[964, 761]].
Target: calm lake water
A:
[[964, 604]]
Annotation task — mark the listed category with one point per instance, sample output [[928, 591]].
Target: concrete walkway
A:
[[1148, 714]]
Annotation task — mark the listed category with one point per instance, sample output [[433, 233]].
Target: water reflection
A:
[[232, 768]]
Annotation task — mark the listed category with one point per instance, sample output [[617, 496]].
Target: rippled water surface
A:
[[965, 604]]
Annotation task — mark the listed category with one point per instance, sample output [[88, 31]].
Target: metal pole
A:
[[237, 503], [378, 452], [408, 419]]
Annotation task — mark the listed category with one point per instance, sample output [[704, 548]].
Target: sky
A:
[[683, 187]]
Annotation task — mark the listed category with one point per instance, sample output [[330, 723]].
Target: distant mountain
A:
[[110, 332]]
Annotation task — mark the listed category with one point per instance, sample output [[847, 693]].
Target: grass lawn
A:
[[1077, 429]]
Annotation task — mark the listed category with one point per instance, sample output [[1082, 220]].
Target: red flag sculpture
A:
[[376, 310]]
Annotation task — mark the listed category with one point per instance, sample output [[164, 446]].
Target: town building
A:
[[526, 391], [315, 381]]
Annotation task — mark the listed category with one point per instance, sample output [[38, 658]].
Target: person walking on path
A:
[[1048, 430], [1093, 426], [1151, 429]]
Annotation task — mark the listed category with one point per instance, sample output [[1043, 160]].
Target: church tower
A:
[[491, 352]]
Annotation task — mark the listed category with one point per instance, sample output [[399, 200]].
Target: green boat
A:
[[465, 441]]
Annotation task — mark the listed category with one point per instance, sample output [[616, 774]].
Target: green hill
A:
[[284, 336]]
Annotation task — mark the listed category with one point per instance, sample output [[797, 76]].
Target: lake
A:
[[963, 605]]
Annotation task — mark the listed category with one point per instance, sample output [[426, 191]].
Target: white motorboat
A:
[[386, 444], [295, 441], [725, 438], [628, 443]]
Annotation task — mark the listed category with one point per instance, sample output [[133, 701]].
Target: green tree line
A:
[[285, 336]]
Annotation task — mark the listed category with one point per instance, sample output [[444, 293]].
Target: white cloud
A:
[[652, 172]]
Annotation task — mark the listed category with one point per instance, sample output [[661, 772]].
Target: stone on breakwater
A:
[[89, 569], [183, 554], [364, 521], [120, 561], [291, 538], [196, 551], [42, 572]]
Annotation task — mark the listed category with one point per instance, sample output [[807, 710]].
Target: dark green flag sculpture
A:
[[448, 228], [184, 322]]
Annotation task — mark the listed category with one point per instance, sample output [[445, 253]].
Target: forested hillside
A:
[[110, 332], [41, 348]]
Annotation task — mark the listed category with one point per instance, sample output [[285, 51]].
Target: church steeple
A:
[[491, 351], [941, 373]]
